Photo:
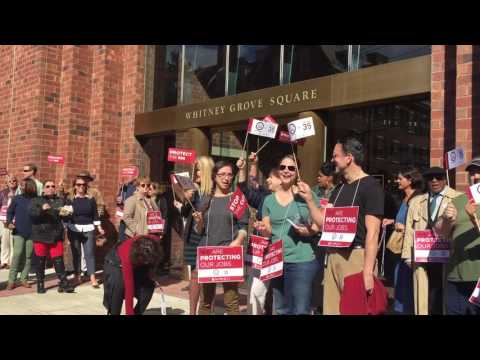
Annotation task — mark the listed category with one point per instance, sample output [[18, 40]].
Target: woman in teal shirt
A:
[[292, 292]]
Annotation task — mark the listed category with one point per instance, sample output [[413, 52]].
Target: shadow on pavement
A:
[[170, 311], [48, 277], [167, 280]]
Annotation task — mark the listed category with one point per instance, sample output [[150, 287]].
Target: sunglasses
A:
[[436, 177], [290, 167], [24, 170], [144, 185], [50, 187], [80, 184]]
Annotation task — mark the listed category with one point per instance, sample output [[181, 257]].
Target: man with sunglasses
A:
[[29, 172], [460, 223], [6, 196], [424, 211]]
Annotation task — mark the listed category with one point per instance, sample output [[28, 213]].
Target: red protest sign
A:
[[473, 193], [323, 202], [220, 264], [255, 251], [284, 137], [238, 203], [155, 222], [272, 264], [430, 248], [182, 156], [339, 226], [130, 171], [3, 172], [475, 297], [270, 119], [56, 159], [3, 213]]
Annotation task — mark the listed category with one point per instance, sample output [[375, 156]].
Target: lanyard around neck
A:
[[147, 206], [354, 196]]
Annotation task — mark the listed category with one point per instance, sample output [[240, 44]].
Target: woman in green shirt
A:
[[292, 292]]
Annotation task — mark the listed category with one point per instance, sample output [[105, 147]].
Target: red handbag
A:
[[356, 301]]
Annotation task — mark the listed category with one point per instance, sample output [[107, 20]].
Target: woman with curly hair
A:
[[129, 271]]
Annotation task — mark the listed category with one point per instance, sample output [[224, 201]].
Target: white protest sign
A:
[[301, 128], [455, 158], [184, 174], [262, 128]]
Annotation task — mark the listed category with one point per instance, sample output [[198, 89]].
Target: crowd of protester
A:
[[43, 223]]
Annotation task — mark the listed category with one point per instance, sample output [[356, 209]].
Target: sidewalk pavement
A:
[[88, 301]]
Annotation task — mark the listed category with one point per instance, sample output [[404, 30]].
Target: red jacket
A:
[[355, 301], [127, 270]]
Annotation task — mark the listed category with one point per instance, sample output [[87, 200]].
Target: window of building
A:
[[204, 76], [388, 148], [371, 55], [253, 67], [303, 62], [166, 76]]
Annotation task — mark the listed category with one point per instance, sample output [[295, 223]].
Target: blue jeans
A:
[[292, 292], [458, 294], [403, 284], [121, 231]]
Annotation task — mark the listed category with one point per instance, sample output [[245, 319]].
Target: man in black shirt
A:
[[357, 189]]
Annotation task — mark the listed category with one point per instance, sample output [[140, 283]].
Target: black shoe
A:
[[41, 275], [41, 287], [64, 285]]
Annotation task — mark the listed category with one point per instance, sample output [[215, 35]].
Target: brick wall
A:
[[453, 106], [75, 101], [437, 105], [464, 109]]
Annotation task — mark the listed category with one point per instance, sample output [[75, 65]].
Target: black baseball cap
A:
[[474, 163], [434, 171]]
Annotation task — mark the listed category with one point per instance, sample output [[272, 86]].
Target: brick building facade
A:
[[455, 95], [75, 101]]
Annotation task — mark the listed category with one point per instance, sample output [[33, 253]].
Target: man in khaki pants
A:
[[357, 189], [424, 211]]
